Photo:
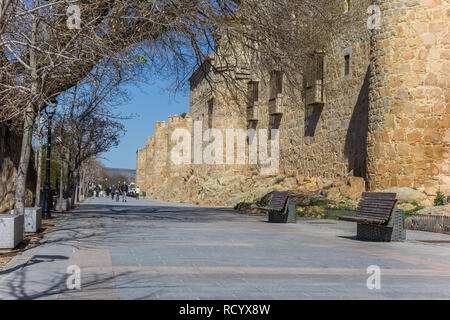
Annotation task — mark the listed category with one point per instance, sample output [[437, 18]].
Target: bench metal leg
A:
[[398, 232], [370, 232], [393, 231], [288, 216]]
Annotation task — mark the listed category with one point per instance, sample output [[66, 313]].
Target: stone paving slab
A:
[[145, 249]]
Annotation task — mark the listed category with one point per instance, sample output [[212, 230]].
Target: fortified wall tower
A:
[[373, 111], [154, 163], [177, 122], [148, 181], [409, 114], [160, 156], [141, 162]]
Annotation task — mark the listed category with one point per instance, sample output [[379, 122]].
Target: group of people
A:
[[120, 190], [117, 191]]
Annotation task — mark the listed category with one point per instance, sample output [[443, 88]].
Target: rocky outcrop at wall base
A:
[[223, 189], [245, 192], [10, 145], [436, 211]]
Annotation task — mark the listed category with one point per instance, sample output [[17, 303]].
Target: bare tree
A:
[[92, 173], [41, 57], [39, 134], [89, 124]]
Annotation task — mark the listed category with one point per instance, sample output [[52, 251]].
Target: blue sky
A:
[[149, 103]]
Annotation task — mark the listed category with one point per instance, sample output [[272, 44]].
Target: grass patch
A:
[[412, 211], [330, 217], [333, 213], [440, 199], [302, 204], [301, 213]]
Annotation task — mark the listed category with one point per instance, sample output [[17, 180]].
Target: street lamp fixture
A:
[[47, 198]]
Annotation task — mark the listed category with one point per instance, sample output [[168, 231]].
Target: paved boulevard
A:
[[155, 250]]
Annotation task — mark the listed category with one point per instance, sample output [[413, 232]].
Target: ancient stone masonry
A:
[[141, 165], [409, 118], [377, 109]]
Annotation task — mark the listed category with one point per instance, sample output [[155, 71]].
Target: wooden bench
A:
[[378, 218], [280, 209]]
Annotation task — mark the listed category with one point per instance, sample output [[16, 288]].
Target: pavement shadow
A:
[[34, 260], [82, 227], [22, 287]]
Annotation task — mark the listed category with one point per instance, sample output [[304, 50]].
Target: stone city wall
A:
[[385, 121], [409, 114]]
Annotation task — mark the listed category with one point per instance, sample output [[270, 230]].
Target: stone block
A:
[[65, 205], [32, 219], [11, 230]]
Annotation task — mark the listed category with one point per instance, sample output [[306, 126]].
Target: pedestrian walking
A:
[[137, 192], [113, 192], [124, 190], [117, 193]]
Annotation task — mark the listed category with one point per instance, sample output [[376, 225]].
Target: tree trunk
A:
[[80, 186], [20, 193], [76, 186], [61, 185], [68, 192], [37, 202], [28, 124], [85, 192]]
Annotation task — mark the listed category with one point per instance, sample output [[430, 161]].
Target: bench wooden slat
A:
[[278, 201], [361, 220], [365, 214], [374, 207], [379, 195], [377, 212], [376, 204], [374, 210], [377, 201]]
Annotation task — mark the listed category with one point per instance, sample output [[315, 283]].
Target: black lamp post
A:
[[47, 198]]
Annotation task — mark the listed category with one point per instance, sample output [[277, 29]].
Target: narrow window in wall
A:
[[210, 113], [347, 65], [319, 64], [276, 93], [274, 124], [250, 94], [253, 93], [276, 84], [314, 80]]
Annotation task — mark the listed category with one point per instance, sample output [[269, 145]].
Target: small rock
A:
[[408, 194], [406, 206]]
